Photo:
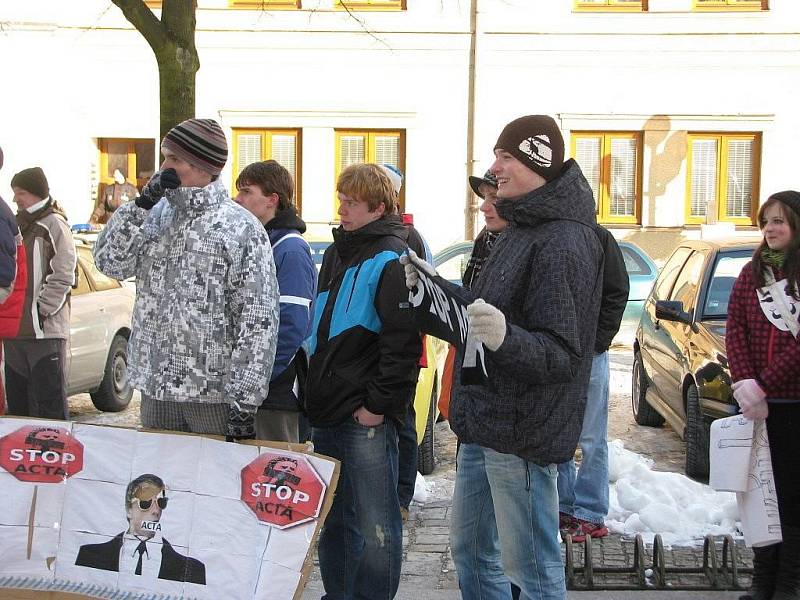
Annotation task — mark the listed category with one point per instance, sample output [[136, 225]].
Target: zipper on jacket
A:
[[353, 287]]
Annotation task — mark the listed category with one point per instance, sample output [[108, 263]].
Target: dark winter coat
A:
[[364, 347], [297, 285], [615, 291], [8, 247], [545, 274]]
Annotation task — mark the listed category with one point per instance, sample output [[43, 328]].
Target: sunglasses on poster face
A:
[[146, 504]]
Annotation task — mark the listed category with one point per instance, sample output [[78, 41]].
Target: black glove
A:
[[241, 424], [160, 182]]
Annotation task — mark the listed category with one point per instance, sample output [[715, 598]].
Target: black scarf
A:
[[480, 252]]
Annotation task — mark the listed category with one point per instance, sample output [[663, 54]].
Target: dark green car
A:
[[680, 369]]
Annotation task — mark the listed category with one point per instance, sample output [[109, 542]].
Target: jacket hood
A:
[[286, 219], [568, 197]]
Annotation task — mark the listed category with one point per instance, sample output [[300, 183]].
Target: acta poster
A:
[[110, 512]]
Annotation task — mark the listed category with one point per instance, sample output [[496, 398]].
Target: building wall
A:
[[665, 72], [78, 72]]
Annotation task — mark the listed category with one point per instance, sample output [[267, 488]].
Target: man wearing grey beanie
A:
[[205, 322]]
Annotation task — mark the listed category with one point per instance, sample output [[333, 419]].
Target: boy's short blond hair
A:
[[367, 182]]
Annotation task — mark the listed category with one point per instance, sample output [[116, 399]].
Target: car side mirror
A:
[[672, 310]]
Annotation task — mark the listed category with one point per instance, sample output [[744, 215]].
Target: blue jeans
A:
[[408, 457], [361, 544], [504, 527], [585, 496]]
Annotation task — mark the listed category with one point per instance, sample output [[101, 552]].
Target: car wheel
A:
[[115, 392], [425, 459], [696, 437], [643, 413]]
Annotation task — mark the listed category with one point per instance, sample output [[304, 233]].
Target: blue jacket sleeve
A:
[[8, 246], [297, 282]]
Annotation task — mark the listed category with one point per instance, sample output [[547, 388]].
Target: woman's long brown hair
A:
[[791, 267]]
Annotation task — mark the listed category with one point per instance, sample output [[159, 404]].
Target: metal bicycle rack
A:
[[718, 576]]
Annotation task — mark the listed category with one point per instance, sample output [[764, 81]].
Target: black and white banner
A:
[[440, 310]]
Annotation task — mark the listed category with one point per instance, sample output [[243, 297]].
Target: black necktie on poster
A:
[[141, 549]]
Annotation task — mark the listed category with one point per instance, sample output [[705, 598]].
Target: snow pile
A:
[[648, 502]]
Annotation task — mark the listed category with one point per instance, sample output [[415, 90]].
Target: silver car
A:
[[100, 326]]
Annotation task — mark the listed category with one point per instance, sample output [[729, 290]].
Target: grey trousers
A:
[[277, 425], [194, 417]]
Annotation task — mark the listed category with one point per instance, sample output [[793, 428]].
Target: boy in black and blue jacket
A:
[[363, 355]]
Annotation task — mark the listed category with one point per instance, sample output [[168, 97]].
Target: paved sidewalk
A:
[[428, 571]]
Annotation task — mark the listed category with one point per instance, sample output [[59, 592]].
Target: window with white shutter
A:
[[370, 146], [281, 145], [264, 4], [611, 5], [371, 4], [611, 163], [722, 177], [726, 5]]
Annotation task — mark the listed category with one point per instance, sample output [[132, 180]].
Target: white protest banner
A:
[[758, 506], [730, 445], [109, 512]]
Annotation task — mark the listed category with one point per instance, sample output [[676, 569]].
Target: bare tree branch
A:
[[363, 25], [140, 16]]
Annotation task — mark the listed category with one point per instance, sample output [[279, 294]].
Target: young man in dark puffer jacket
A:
[[536, 313]]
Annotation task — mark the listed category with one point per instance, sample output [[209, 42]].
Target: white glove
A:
[[486, 324], [751, 398], [412, 268]]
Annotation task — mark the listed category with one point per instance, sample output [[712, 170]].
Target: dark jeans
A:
[[408, 448], [36, 384], [784, 446], [361, 544]]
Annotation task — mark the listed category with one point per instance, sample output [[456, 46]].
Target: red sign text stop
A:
[[282, 489], [41, 453]]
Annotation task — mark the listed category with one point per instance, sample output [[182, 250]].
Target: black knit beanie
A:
[[790, 198], [33, 181], [536, 142]]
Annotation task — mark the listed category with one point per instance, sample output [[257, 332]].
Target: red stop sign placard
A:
[[41, 453], [282, 489]]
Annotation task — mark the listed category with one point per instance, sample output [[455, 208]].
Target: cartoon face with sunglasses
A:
[[145, 499]]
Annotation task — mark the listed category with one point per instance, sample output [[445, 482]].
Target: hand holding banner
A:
[[440, 309]]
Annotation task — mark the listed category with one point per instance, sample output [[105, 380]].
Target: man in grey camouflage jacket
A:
[[205, 322]]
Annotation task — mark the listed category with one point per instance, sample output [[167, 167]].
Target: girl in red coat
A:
[[764, 356]]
